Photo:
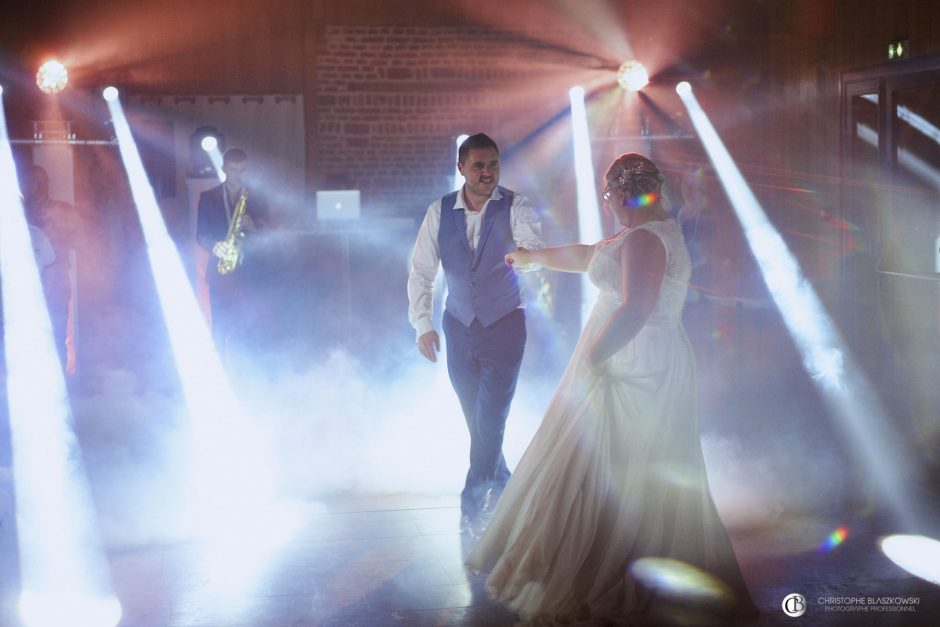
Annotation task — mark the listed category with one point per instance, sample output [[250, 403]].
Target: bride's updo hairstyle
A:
[[637, 177]]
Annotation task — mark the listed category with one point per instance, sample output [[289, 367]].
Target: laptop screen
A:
[[338, 204]]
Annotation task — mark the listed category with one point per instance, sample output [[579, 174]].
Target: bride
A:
[[609, 508]]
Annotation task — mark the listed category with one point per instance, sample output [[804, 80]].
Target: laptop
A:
[[338, 204]]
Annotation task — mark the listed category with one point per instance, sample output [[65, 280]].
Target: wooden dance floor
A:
[[397, 560]]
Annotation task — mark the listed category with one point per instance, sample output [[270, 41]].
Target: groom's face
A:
[[480, 168]]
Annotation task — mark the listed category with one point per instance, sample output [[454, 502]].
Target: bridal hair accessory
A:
[[641, 180], [634, 171]]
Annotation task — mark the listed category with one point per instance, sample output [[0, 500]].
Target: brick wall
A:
[[392, 100]]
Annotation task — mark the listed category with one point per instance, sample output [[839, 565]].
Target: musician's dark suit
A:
[[230, 296]]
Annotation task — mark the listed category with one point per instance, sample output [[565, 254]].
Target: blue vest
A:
[[479, 285]]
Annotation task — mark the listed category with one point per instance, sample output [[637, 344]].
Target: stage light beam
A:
[[233, 468], [851, 398], [459, 180], [64, 575], [589, 218], [231, 499]]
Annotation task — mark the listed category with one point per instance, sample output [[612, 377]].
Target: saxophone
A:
[[229, 250]]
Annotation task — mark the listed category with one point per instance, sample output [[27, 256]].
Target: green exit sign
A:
[[898, 50]]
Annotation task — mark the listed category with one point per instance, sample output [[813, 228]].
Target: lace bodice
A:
[[605, 270]]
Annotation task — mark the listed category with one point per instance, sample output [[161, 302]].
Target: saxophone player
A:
[[230, 285]]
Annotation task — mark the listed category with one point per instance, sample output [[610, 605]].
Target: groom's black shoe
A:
[[467, 527], [490, 501], [472, 526]]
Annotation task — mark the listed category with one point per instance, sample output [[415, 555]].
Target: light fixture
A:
[[206, 145], [210, 144], [52, 77], [632, 76], [899, 50]]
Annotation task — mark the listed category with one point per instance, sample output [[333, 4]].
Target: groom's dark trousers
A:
[[483, 363]]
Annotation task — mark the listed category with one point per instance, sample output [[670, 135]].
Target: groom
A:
[[469, 232]]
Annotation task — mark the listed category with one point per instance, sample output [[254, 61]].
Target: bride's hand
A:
[[518, 257]]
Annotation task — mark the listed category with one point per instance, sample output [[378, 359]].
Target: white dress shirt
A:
[[426, 259]]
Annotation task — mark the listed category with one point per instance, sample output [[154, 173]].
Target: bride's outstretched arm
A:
[[570, 258], [643, 261]]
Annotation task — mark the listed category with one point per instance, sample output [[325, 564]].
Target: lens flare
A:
[[643, 200], [678, 580], [834, 539]]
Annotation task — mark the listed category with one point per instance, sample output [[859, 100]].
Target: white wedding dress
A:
[[615, 472]]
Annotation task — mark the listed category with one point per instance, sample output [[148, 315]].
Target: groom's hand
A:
[[429, 344]]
